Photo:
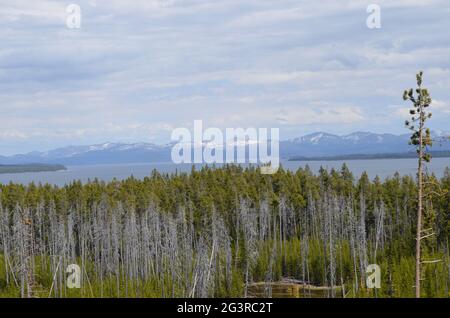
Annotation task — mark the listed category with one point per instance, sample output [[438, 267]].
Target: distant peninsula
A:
[[404, 155], [32, 167]]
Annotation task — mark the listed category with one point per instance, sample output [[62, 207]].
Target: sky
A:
[[136, 70]]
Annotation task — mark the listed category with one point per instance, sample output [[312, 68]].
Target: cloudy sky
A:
[[136, 70]]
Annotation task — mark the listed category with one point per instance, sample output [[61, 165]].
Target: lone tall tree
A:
[[421, 139]]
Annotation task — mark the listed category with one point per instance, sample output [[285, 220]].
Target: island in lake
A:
[[32, 167]]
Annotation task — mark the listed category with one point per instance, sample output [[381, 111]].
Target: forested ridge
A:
[[213, 232]]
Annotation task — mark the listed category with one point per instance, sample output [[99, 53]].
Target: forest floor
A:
[[289, 288]]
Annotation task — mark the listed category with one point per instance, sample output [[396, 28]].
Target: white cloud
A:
[[136, 68], [441, 106]]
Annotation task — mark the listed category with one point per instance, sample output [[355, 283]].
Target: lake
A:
[[381, 167]]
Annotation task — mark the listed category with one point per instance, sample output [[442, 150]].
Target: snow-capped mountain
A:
[[324, 144], [315, 138], [318, 144], [106, 153]]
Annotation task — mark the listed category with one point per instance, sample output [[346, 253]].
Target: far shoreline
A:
[[407, 155]]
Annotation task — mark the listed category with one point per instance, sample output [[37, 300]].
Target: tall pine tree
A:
[[421, 139]]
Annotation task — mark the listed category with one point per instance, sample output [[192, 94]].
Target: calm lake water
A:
[[381, 167]]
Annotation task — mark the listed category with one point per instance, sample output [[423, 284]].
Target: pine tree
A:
[[421, 139]]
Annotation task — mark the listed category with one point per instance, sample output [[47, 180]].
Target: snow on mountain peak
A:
[[316, 138], [360, 135]]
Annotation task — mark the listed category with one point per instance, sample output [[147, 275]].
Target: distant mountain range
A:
[[318, 144], [322, 144], [107, 153]]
